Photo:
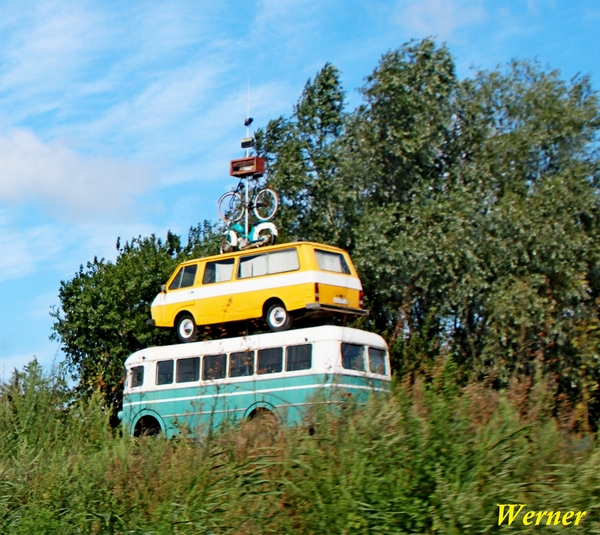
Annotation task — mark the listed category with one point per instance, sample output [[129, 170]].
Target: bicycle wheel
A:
[[265, 204], [231, 207]]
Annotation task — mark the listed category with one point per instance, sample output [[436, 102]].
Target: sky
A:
[[119, 119]]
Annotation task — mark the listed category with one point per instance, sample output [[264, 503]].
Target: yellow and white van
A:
[[274, 283]]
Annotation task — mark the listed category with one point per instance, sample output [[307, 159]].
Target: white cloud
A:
[[26, 248], [154, 122], [64, 183], [441, 18], [46, 47], [289, 29]]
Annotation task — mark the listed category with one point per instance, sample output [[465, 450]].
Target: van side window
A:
[[353, 357], [298, 358], [214, 367], [164, 372], [188, 370], [137, 376], [329, 261], [268, 263], [219, 271], [377, 361], [184, 278], [270, 360], [241, 364]]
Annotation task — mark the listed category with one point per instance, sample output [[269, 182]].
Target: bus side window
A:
[[377, 361], [137, 376], [219, 271], [188, 370], [353, 357], [270, 360], [214, 367], [164, 372], [241, 364], [298, 358]]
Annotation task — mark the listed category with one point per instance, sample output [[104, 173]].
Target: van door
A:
[[179, 294], [213, 295]]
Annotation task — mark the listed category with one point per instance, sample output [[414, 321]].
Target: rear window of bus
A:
[[329, 261], [353, 357], [377, 361]]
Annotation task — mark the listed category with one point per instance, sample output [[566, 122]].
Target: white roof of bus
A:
[[242, 343]]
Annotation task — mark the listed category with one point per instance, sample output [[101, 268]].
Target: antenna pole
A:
[[247, 122], [248, 117]]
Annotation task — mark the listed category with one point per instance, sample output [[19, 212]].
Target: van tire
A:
[[186, 328], [278, 318]]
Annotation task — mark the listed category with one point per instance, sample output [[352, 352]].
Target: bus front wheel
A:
[[278, 318], [186, 328]]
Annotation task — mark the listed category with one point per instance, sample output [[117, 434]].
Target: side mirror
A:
[[163, 288]]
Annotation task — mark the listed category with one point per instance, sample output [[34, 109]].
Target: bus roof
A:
[[256, 341]]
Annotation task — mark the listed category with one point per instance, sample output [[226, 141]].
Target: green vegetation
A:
[[104, 308], [429, 458]]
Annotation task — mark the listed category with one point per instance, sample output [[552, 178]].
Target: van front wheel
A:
[[278, 318], [186, 328]]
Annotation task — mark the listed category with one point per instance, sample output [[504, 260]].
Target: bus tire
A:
[[278, 318], [186, 328]]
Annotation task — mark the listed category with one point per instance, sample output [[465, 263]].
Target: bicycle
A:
[[233, 206]]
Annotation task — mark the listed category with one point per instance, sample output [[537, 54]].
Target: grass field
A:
[[430, 458]]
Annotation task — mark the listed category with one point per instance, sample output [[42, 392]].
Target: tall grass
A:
[[427, 459]]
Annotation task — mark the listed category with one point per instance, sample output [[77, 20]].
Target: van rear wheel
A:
[[278, 318], [186, 328]]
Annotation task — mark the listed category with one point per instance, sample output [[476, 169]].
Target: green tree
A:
[[302, 157], [470, 209], [104, 308]]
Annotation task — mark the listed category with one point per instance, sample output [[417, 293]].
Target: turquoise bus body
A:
[[267, 372]]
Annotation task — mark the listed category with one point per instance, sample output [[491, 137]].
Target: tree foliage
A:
[[104, 308], [470, 208]]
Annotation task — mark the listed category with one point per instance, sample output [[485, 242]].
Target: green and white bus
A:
[[198, 385]]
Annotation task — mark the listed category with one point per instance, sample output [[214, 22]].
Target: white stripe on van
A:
[[264, 282]]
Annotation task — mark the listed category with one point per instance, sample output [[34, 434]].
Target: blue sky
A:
[[119, 119]]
